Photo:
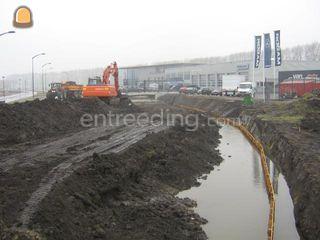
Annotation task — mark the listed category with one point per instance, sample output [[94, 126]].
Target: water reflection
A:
[[275, 177], [234, 200], [256, 170]]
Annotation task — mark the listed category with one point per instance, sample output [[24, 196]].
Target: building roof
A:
[[162, 65]]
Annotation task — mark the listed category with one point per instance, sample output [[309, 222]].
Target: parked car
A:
[[192, 90], [215, 92], [230, 93], [189, 89], [204, 91], [183, 90], [175, 88]]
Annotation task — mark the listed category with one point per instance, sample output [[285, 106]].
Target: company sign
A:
[[277, 47], [243, 67], [267, 50], [257, 51], [299, 76]]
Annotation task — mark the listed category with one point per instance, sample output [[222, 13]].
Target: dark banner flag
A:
[[267, 50], [257, 51], [277, 48]]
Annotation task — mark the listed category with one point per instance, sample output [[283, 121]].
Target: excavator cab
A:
[[94, 81]]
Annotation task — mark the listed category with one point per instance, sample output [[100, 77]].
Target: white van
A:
[[245, 88]]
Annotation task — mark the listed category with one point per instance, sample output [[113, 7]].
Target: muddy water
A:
[[233, 198]]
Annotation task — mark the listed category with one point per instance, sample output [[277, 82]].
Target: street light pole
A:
[[35, 56], [3, 89], [7, 33], [45, 76], [3, 77], [42, 67], [20, 88]]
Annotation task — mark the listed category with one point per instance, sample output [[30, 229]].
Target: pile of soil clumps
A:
[[220, 106], [22, 122], [311, 120], [132, 195]]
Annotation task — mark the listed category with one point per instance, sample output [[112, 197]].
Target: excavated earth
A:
[[290, 133], [22, 122], [59, 180]]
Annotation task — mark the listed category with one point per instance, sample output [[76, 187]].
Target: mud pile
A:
[[216, 105], [311, 120], [36, 119], [132, 195]]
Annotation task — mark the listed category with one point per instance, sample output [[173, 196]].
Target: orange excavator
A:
[[103, 89]]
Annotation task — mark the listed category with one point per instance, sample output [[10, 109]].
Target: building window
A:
[[203, 80], [186, 75], [212, 80], [194, 79]]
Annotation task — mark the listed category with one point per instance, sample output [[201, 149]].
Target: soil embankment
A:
[[108, 183], [32, 120], [290, 134]]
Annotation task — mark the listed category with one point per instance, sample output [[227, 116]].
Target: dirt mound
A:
[[36, 119], [217, 105], [311, 120], [132, 195]]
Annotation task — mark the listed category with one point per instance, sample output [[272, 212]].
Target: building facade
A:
[[136, 77], [211, 75]]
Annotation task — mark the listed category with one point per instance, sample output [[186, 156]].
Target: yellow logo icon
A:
[[23, 17]]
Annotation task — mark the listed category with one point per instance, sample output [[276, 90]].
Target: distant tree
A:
[[287, 54], [312, 51], [297, 53], [307, 52]]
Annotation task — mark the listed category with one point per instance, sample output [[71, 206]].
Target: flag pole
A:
[[253, 63], [274, 78], [263, 70], [264, 79], [274, 66]]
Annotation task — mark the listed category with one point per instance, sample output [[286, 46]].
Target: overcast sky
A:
[[89, 34]]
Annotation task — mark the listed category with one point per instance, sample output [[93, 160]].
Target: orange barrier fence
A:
[[264, 165]]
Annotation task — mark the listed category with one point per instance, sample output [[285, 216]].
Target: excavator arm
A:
[[111, 70]]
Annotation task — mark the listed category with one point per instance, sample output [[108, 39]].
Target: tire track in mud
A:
[[36, 154], [115, 144]]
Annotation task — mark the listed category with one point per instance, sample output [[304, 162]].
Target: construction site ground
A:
[[61, 180]]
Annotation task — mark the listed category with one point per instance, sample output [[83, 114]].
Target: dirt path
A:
[[115, 143], [62, 157], [71, 144]]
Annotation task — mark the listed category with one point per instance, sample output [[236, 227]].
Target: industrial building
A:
[[209, 75], [138, 76]]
